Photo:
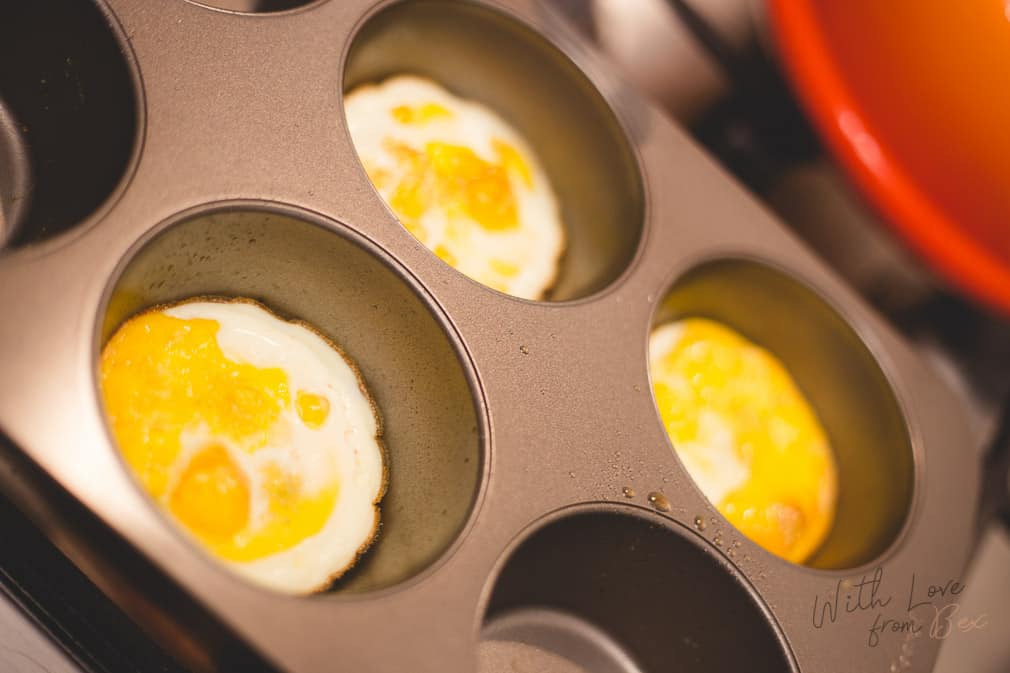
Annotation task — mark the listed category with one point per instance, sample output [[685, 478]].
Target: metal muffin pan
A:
[[536, 510]]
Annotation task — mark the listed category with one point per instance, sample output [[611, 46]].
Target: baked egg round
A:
[[461, 180], [255, 434], [746, 434]]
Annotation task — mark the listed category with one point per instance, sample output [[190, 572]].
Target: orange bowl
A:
[[914, 99]]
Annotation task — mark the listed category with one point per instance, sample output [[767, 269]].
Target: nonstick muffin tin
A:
[[536, 513]]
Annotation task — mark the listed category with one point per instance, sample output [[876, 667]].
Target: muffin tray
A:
[[536, 513]]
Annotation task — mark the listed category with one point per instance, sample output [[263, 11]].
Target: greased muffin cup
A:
[[536, 510], [70, 118]]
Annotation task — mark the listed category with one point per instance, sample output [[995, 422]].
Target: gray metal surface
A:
[[537, 636], [24, 648], [243, 113], [15, 179]]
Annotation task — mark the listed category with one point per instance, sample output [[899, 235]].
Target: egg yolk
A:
[[312, 409], [212, 496], [456, 180], [165, 379], [733, 412], [419, 114]]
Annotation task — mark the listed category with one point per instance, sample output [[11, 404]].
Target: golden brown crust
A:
[[545, 293], [376, 414]]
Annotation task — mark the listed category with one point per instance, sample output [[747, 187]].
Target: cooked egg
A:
[[746, 435], [461, 180], [255, 434]]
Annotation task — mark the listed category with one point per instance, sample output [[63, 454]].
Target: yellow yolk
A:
[[504, 268], [444, 254], [713, 383], [419, 114], [292, 517], [312, 409], [510, 158], [164, 377], [457, 180], [161, 375], [212, 496], [469, 185]]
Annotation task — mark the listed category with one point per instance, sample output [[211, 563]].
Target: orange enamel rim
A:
[[838, 116]]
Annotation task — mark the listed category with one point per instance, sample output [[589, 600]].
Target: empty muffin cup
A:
[[72, 115], [354, 295], [615, 589]]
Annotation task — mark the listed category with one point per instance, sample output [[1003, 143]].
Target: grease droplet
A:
[[524, 350], [659, 501], [699, 523], [628, 492]]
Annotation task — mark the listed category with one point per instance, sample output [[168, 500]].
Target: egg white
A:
[[535, 246], [712, 460], [346, 447]]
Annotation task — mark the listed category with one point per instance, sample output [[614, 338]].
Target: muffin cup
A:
[[70, 120], [485, 56], [613, 588], [425, 394], [837, 374]]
